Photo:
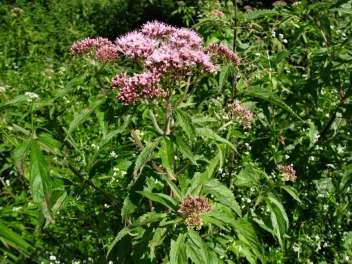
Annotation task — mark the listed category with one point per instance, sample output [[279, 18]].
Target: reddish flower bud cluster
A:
[[217, 13], [163, 51], [191, 208], [288, 173], [105, 49], [222, 51], [240, 113]]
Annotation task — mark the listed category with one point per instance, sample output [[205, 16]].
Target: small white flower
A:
[[7, 182], [113, 154], [52, 257], [110, 262], [93, 146], [32, 96], [284, 41], [281, 36], [16, 209]]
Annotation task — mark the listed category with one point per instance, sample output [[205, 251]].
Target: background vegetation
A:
[[68, 152]]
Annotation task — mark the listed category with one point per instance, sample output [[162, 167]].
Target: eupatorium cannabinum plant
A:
[[182, 204]]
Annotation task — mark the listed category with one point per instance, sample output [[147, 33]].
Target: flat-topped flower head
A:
[[288, 172], [107, 53], [141, 85], [191, 208], [156, 29], [241, 114], [136, 45], [184, 37], [161, 51], [224, 52], [86, 45]]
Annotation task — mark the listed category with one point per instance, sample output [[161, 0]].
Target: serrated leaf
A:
[[249, 176], [8, 236], [222, 194], [166, 153], [178, 250], [247, 235], [143, 157], [271, 98], [160, 198], [151, 217], [278, 217], [40, 182], [184, 121], [108, 137], [128, 208], [121, 234], [201, 178], [84, 115], [272, 199], [196, 249], [49, 144], [207, 133], [185, 150], [292, 192], [159, 235]]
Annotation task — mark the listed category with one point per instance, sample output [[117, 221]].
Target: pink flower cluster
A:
[[161, 49], [288, 172], [105, 49], [144, 84], [222, 51], [191, 208], [240, 113]]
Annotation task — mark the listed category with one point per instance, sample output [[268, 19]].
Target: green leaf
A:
[[160, 198], [278, 216], [249, 176], [271, 98], [49, 144], [159, 235], [178, 250], [248, 236], [196, 249], [185, 150], [185, 122], [84, 115], [201, 178], [143, 157], [151, 217], [121, 234], [8, 236], [166, 153], [222, 194], [207, 133], [292, 192], [41, 184], [128, 208]]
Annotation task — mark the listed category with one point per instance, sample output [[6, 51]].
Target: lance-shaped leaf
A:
[[185, 122], [13, 239], [178, 250], [207, 133], [166, 153], [40, 181], [201, 178], [222, 194], [143, 157], [84, 115], [271, 98]]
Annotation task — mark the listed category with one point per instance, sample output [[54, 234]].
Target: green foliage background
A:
[[63, 193]]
